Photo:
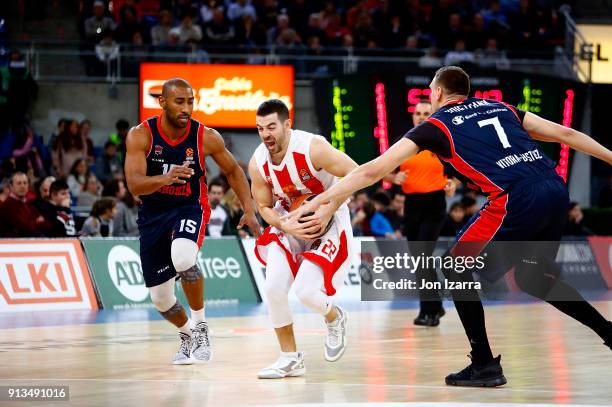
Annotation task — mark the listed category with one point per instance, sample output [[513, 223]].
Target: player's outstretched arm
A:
[[215, 147], [138, 182], [545, 130], [361, 177]]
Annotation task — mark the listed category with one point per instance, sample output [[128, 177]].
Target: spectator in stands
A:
[[491, 57], [127, 27], [67, 149], [126, 218], [454, 220], [282, 24], [395, 212], [250, 32], [77, 178], [27, 158], [451, 32], [207, 11], [85, 134], [267, 12], [459, 54], [61, 127], [430, 59], [470, 207], [394, 35], [314, 27], [378, 222], [107, 53], [119, 137], [115, 188], [335, 31], [18, 217], [219, 31], [219, 224], [363, 31], [91, 191], [98, 23], [239, 9], [100, 221], [5, 191], [574, 226], [477, 35], [159, 33], [107, 164], [41, 189], [188, 30], [235, 212], [57, 211]]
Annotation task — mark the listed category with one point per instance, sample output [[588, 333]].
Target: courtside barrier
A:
[[38, 275], [116, 270]]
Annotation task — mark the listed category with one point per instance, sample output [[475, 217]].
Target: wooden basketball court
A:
[[547, 357]]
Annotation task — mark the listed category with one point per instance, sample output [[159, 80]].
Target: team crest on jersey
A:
[[457, 120], [189, 154], [158, 149], [304, 174]]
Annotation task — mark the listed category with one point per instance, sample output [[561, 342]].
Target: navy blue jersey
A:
[[165, 153], [485, 142]]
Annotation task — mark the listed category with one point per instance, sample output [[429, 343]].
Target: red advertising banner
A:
[[225, 95], [44, 275]]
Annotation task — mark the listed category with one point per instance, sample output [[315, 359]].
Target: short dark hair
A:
[[453, 79], [174, 82], [274, 106], [102, 205], [455, 206], [122, 124], [18, 173], [109, 144], [57, 186], [111, 188], [572, 205], [467, 201], [216, 183], [382, 198]]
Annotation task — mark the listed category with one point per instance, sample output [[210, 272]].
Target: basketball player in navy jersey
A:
[[165, 167], [492, 145]]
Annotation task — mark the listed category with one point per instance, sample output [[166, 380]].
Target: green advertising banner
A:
[[117, 273]]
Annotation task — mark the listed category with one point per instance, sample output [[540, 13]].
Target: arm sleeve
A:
[[429, 137]]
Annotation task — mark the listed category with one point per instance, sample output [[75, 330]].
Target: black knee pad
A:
[[191, 275]]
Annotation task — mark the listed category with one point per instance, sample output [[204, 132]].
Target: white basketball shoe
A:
[[335, 342], [284, 367]]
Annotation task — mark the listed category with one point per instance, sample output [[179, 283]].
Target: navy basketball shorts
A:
[[533, 210], [158, 228]]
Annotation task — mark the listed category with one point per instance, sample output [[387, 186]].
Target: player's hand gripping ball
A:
[[301, 200]]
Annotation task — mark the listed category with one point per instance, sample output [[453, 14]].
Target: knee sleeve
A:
[[276, 288], [162, 295], [184, 254], [309, 288]]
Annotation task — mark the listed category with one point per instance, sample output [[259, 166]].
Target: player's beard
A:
[[175, 122]]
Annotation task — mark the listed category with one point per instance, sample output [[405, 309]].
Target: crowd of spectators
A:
[[445, 31]]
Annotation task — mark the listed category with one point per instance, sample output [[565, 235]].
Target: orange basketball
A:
[[299, 201]]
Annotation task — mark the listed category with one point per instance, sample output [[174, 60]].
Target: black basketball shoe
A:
[[488, 375], [424, 319]]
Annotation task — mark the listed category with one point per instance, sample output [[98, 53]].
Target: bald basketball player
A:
[[165, 167]]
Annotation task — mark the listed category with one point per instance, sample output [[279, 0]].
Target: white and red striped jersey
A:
[[295, 175]]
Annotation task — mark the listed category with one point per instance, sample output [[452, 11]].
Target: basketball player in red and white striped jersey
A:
[[286, 166]]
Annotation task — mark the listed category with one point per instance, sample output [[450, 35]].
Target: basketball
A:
[[299, 201]]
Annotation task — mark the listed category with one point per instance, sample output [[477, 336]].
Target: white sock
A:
[[198, 316], [289, 355], [185, 328]]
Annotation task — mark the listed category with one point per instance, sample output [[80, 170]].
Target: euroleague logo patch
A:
[[304, 174], [189, 154], [159, 150], [457, 120]]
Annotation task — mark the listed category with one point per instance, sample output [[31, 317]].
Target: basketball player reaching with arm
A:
[[165, 167], [527, 200], [286, 167]]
